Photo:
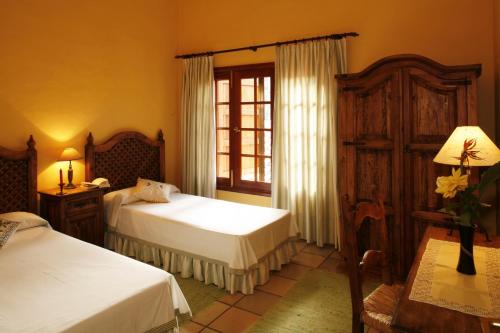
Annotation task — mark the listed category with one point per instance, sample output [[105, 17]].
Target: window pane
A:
[[247, 90], [222, 91], [223, 141], [223, 115], [264, 169], [247, 116], [247, 142], [248, 168], [263, 89], [223, 166], [264, 143], [264, 116]]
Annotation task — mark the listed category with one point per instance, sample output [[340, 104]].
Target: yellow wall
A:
[[448, 31], [67, 67]]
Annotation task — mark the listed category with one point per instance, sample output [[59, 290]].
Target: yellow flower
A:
[[449, 186]]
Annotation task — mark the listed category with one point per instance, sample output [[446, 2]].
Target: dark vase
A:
[[466, 260]]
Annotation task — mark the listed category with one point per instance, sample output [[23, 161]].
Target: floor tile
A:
[[320, 251], [292, 271], [231, 299], [209, 330], [190, 327], [330, 265], [306, 259], [234, 320], [258, 303], [277, 285], [336, 255], [208, 314], [300, 244]]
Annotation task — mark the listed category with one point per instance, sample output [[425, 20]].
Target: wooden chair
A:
[[376, 310]]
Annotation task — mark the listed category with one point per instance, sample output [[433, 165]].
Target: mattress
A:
[[236, 235], [51, 282]]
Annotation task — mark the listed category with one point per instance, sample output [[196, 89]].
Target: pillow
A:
[[149, 190], [127, 196], [7, 229], [26, 220]]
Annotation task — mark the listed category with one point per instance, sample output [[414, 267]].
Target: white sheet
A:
[[50, 282], [235, 234]]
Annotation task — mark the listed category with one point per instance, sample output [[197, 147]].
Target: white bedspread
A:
[[231, 233], [50, 282]]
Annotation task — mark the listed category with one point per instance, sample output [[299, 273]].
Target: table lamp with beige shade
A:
[[467, 146], [480, 151], [70, 154]]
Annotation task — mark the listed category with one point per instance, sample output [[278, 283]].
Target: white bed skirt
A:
[[200, 268]]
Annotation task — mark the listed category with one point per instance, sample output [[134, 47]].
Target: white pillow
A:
[[27, 220], [127, 196], [149, 190]]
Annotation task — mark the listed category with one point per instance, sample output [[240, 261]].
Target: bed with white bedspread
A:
[[51, 282], [231, 245]]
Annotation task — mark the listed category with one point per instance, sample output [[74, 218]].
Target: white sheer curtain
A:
[[198, 127], [304, 174]]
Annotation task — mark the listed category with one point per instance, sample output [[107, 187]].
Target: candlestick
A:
[[61, 184]]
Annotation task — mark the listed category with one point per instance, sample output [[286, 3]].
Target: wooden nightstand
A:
[[77, 213]]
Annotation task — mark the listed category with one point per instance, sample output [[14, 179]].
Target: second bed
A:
[[232, 245]]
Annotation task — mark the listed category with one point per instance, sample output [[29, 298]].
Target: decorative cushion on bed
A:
[[149, 190], [7, 229], [27, 220]]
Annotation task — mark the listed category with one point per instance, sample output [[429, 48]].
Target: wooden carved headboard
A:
[[18, 179], [125, 157]]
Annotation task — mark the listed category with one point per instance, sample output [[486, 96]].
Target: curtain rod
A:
[[256, 47]]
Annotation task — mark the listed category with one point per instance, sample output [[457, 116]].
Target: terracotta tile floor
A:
[[236, 313]]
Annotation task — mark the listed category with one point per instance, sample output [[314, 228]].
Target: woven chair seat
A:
[[379, 307]]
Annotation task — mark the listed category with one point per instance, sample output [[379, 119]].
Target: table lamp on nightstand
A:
[[70, 154]]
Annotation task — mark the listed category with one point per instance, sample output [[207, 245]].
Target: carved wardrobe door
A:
[[369, 147], [436, 100], [393, 117]]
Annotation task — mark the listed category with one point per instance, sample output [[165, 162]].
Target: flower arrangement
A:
[[467, 208]]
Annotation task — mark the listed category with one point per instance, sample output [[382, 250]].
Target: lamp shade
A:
[[487, 152], [70, 154]]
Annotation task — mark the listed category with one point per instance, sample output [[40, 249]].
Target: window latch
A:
[[236, 129], [231, 178]]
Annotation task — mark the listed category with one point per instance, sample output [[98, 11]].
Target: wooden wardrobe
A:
[[393, 117]]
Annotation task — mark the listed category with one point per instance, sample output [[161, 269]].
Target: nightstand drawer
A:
[[83, 227], [80, 205]]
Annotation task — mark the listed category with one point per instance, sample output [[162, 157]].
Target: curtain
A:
[[304, 174], [198, 127]]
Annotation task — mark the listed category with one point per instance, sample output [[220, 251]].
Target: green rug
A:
[[198, 295], [319, 302]]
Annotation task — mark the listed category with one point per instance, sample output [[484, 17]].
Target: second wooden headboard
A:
[[125, 157]]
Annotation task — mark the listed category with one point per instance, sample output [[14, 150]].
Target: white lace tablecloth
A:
[[437, 281]]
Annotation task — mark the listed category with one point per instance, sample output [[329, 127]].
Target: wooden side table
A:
[[77, 213]]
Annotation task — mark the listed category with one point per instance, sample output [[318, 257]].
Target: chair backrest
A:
[[353, 219]]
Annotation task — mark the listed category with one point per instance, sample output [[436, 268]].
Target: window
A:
[[244, 119]]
